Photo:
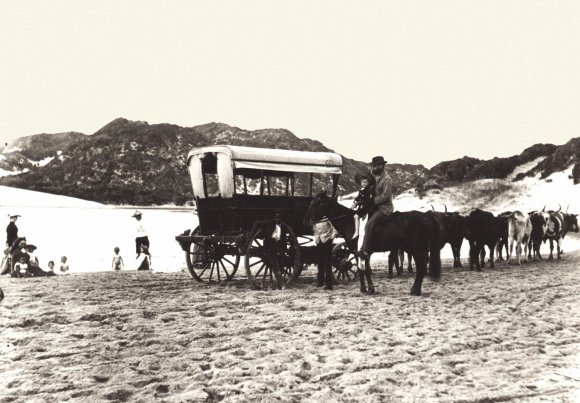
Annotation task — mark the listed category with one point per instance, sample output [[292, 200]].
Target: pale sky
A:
[[415, 81]]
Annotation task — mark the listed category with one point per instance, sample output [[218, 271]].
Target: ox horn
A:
[[432, 208], [559, 208], [445, 207], [544, 209], [567, 207]]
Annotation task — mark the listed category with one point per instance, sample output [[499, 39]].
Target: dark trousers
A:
[[142, 240], [371, 224]]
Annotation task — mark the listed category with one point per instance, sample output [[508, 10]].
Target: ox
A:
[[539, 222], [453, 229], [519, 231], [558, 226], [503, 242], [485, 229]]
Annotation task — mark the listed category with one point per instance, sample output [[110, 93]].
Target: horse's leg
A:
[[420, 263], [398, 264], [361, 273], [368, 274]]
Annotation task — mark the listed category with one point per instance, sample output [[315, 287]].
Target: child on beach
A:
[[51, 266], [63, 264], [363, 203], [117, 263], [21, 268]]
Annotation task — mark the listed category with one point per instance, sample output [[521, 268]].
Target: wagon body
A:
[[245, 197]]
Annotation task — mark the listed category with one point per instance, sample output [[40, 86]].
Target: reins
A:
[[326, 219]]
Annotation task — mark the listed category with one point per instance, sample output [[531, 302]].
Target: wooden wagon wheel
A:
[[264, 255], [344, 263], [210, 260]]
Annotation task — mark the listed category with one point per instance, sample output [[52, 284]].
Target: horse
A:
[[412, 231], [324, 209]]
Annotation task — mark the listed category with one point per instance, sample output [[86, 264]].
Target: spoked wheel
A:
[[344, 263], [211, 260], [264, 255]]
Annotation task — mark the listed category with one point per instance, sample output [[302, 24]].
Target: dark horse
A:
[[323, 207], [412, 231]]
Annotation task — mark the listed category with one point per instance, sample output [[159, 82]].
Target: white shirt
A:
[[141, 231]]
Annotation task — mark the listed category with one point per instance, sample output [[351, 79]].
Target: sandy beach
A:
[[506, 334]]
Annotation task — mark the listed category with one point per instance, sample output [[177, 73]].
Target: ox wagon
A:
[[251, 203]]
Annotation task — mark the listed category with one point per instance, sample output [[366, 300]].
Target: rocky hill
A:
[[543, 159], [133, 162]]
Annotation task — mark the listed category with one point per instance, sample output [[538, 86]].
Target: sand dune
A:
[[510, 333]]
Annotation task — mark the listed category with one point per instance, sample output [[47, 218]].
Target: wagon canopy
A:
[[275, 160], [224, 162]]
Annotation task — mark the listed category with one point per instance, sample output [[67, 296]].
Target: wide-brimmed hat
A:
[[14, 215], [365, 175], [31, 246], [137, 213], [378, 160]]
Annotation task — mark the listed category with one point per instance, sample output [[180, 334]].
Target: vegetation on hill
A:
[[128, 162], [133, 162]]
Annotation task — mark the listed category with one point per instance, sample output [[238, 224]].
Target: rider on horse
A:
[[383, 201]]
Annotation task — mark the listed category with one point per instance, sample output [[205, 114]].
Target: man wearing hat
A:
[[383, 200], [11, 230], [141, 235]]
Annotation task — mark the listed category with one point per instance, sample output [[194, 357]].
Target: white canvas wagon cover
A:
[[275, 160]]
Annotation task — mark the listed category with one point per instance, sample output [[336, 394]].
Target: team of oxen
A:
[[422, 235]]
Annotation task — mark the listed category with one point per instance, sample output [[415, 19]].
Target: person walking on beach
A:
[[117, 260], [12, 230], [11, 236], [141, 238]]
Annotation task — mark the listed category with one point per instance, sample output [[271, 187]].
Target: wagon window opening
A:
[[322, 182], [301, 184], [210, 177], [278, 185]]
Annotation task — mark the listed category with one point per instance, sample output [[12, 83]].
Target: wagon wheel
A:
[[263, 254], [211, 260], [344, 263]]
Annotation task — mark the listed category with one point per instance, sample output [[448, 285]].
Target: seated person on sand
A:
[[63, 264], [25, 258], [144, 259], [21, 268]]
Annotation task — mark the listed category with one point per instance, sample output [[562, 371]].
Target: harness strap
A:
[[325, 219]]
